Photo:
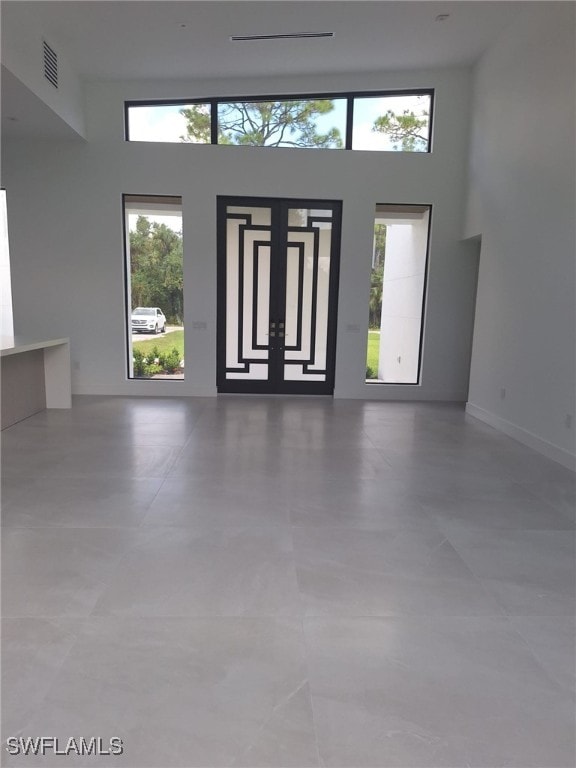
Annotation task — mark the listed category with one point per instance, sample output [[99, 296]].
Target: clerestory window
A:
[[391, 121]]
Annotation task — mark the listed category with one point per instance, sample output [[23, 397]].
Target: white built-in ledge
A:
[[35, 375]]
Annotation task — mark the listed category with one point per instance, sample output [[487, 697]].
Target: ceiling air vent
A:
[[285, 36], [50, 65]]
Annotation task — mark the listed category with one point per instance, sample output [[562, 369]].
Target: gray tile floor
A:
[[259, 583]]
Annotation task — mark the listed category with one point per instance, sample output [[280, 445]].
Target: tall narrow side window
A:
[[397, 292], [6, 316], [154, 287]]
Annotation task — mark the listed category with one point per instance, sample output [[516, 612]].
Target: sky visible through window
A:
[[157, 123], [366, 110], [165, 123], [173, 222]]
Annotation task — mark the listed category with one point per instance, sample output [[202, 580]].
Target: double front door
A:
[[277, 293]]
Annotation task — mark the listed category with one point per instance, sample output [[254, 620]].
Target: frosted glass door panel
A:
[[248, 254], [308, 255]]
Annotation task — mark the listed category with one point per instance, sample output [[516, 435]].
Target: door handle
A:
[[272, 329]]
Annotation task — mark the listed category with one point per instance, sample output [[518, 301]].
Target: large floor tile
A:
[[183, 692], [531, 573], [161, 554], [132, 410], [528, 467], [552, 639], [518, 510], [197, 502], [345, 511], [189, 572], [241, 468], [393, 573], [347, 491], [33, 651], [559, 490], [58, 571], [30, 432], [108, 460], [140, 432], [399, 693], [77, 502], [31, 456], [100, 458], [435, 452]]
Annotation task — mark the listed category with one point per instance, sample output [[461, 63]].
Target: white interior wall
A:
[[66, 220], [521, 201], [23, 56]]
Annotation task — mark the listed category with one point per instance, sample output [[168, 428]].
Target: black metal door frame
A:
[[276, 384]]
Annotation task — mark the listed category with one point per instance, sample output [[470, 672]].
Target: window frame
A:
[[424, 305], [348, 96], [127, 198]]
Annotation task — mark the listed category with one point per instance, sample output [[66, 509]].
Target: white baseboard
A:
[[551, 451]]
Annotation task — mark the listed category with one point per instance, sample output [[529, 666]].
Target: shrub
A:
[[140, 364], [144, 367], [370, 372], [170, 362]]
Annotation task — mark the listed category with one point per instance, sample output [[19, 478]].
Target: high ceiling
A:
[[187, 40], [110, 40]]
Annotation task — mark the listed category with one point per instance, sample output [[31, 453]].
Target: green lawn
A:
[[373, 352], [165, 343]]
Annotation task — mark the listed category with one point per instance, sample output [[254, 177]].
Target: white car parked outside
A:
[[148, 320]]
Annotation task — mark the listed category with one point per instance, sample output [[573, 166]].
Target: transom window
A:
[[389, 121]]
